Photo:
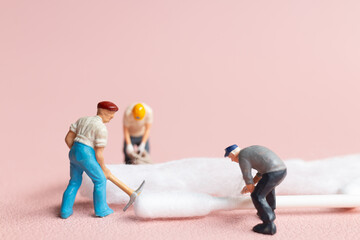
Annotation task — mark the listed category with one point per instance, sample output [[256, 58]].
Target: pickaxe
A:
[[132, 194]]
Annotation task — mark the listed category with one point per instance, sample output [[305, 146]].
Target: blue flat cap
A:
[[229, 149]]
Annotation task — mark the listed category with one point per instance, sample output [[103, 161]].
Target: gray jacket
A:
[[259, 158]]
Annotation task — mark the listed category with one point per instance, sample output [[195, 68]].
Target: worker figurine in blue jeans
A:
[[87, 139], [271, 172]]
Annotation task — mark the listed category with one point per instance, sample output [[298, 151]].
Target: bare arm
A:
[[99, 154], [147, 133], [127, 135], [69, 139]]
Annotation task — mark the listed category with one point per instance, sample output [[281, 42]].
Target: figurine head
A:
[[232, 152], [106, 110], [138, 111]]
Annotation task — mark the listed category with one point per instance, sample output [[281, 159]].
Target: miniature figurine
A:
[[87, 139], [271, 172], [137, 122]]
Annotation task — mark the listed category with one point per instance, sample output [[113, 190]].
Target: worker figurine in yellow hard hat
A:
[[138, 118]]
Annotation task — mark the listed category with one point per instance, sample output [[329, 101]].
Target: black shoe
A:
[[265, 228]]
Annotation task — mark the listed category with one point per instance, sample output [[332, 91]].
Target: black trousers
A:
[[263, 195]]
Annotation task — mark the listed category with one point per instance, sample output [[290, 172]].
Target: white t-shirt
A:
[[90, 131], [137, 127]]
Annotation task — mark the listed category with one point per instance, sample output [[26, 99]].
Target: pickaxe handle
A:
[[132, 194], [120, 184]]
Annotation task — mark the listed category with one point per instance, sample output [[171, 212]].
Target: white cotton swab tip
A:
[[176, 204]]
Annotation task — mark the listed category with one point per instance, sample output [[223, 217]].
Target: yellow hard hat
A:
[[138, 111]]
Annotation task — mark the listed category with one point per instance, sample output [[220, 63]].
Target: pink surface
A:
[[284, 74]]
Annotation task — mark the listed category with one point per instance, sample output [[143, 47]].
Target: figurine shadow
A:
[[134, 218], [235, 217], [84, 208], [232, 219], [223, 215], [53, 194]]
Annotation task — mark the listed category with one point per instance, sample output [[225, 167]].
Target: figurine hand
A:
[[129, 149], [244, 190], [141, 148], [248, 189]]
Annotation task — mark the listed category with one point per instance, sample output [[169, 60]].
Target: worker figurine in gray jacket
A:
[[271, 171]]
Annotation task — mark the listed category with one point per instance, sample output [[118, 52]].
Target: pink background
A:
[[284, 74]]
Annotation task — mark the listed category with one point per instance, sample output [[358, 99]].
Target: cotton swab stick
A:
[[319, 201], [301, 201], [188, 204]]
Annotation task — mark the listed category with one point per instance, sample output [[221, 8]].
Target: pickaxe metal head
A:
[[134, 195]]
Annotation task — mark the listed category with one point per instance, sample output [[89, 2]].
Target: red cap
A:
[[108, 105]]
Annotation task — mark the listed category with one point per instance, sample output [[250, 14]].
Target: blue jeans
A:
[[82, 158]]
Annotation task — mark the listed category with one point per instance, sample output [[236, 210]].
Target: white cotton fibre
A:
[[334, 175], [182, 204], [203, 175], [185, 188], [175, 204]]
